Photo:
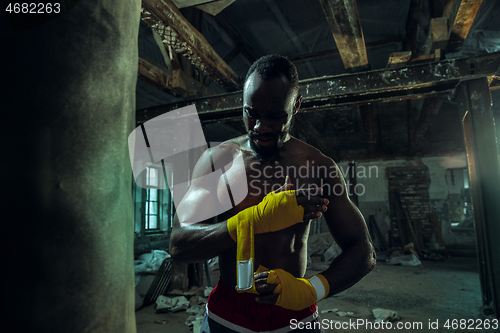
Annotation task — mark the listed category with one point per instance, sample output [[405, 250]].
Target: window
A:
[[152, 206]]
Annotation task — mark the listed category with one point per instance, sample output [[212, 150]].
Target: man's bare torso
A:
[[286, 249]]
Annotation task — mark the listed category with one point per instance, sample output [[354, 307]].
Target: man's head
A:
[[270, 99]]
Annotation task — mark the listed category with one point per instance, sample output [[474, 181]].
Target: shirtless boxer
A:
[[272, 160]]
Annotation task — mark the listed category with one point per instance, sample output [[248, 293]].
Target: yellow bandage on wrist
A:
[[245, 257], [296, 293], [275, 212]]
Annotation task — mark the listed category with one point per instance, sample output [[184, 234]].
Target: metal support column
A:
[[484, 169]]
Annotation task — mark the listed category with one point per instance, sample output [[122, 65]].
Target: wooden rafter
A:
[[164, 17], [462, 15], [343, 18], [171, 81]]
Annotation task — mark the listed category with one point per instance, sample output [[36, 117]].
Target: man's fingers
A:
[[309, 192], [313, 201], [264, 288], [313, 212]]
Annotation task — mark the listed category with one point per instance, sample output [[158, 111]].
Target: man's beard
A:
[[267, 152]]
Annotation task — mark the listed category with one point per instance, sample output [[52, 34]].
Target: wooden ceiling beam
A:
[[164, 17], [343, 18], [462, 15], [171, 81]]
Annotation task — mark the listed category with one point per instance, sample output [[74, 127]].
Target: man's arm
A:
[[348, 228], [205, 239], [195, 237], [357, 259]]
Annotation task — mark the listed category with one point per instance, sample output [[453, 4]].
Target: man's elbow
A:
[[176, 251], [371, 258]]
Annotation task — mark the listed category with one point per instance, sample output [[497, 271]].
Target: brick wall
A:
[[412, 183]]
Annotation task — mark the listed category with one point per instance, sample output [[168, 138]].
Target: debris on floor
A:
[[191, 301], [329, 310], [345, 314], [385, 315], [207, 291], [195, 322], [171, 304], [406, 260], [150, 262]]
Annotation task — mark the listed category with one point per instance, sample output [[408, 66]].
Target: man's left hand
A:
[[283, 289]]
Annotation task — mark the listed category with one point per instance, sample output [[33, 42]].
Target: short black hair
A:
[[274, 66]]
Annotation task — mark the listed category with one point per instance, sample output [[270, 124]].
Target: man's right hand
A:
[[280, 209]]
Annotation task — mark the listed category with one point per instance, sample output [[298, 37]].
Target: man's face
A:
[[268, 107]]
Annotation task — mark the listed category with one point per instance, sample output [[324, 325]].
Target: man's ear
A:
[[296, 107]]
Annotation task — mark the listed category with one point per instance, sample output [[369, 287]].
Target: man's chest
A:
[[249, 181]]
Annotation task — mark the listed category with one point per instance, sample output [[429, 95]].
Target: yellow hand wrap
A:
[[295, 293], [275, 212]]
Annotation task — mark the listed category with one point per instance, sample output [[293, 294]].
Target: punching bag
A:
[[68, 105]]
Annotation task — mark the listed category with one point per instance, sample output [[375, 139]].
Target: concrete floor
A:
[[435, 290]]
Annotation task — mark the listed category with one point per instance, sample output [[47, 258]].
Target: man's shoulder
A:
[[310, 152], [223, 153]]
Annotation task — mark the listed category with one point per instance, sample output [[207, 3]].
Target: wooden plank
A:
[[164, 17], [423, 59], [171, 81], [462, 15], [437, 37], [343, 19], [437, 230], [398, 59]]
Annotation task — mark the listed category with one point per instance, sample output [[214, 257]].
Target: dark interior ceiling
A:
[[298, 29]]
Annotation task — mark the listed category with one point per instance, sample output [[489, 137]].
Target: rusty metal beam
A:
[[463, 13], [164, 17], [438, 78], [343, 18]]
